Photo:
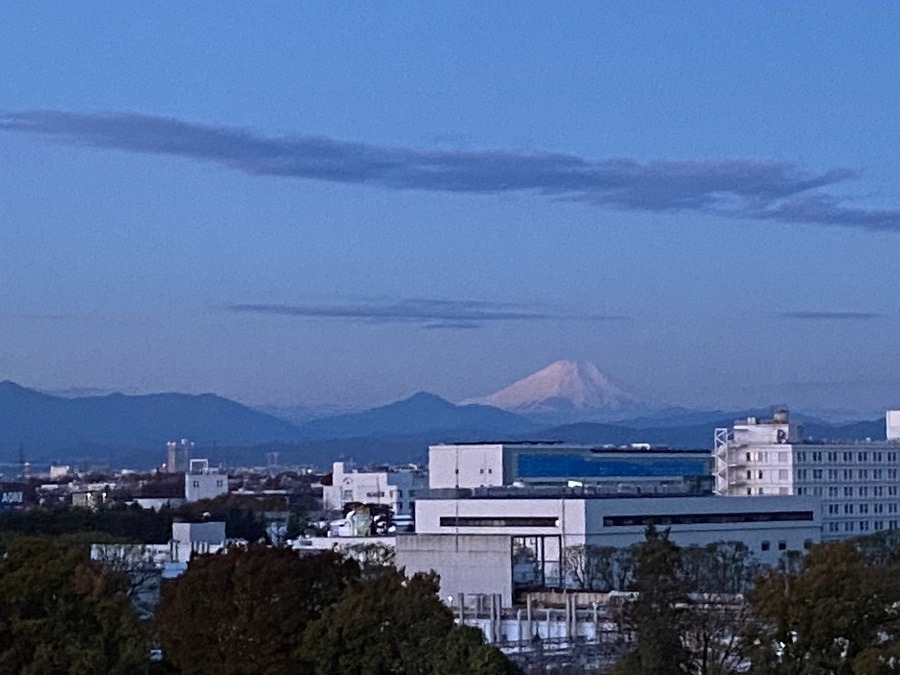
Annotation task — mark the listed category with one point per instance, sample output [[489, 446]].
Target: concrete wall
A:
[[465, 563], [792, 534], [478, 465], [204, 486]]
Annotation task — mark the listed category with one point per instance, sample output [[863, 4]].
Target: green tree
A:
[[62, 613], [391, 624], [657, 615], [834, 612], [244, 610]]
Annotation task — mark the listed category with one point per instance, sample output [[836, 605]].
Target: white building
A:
[[396, 489], [639, 466], [857, 481], [477, 543], [203, 482], [187, 539]]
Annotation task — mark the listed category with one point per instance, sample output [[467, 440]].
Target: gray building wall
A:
[[467, 563]]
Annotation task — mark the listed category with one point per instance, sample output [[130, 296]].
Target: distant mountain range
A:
[[55, 426], [420, 414], [132, 430]]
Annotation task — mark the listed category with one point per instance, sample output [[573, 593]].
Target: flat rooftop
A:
[[631, 448]]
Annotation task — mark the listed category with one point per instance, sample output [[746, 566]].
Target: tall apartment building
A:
[[856, 481], [178, 456]]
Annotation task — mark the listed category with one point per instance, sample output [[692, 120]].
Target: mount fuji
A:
[[568, 391]]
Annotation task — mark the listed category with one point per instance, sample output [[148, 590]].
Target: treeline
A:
[[252, 609], [243, 518], [835, 610]]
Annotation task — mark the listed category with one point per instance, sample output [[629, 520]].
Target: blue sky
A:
[[348, 203]]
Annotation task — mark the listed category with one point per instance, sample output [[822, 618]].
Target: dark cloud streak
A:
[[740, 188], [831, 316], [444, 314]]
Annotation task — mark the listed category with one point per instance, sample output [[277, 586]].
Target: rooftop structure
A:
[[470, 465]]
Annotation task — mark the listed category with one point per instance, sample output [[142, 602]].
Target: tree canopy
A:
[[394, 624], [62, 613], [244, 610]]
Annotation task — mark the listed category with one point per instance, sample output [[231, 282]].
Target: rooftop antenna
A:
[[23, 465]]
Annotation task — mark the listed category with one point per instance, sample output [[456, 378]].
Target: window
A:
[[892, 474], [848, 474], [878, 508], [817, 474], [892, 456], [833, 509], [863, 474], [848, 508], [782, 474], [848, 527], [833, 527], [848, 491], [760, 474], [863, 508], [817, 456], [878, 491], [219, 483], [817, 491], [801, 491], [863, 457], [848, 457], [832, 474], [877, 474], [765, 546], [748, 457], [703, 518], [782, 458], [864, 491], [782, 546], [498, 521], [749, 475], [832, 456], [801, 456], [863, 525], [196, 483], [801, 474], [833, 491]]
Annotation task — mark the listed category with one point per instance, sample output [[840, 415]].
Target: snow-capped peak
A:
[[565, 387]]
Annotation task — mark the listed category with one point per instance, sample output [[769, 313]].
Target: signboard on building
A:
[[13, 496]]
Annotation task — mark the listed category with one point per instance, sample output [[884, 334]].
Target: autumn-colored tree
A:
[[62, 613], [244, 610], [391, 624]]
